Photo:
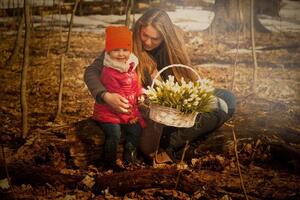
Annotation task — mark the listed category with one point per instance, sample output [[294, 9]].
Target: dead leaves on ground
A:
[[278, 97]]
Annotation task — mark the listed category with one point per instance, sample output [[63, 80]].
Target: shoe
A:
[[130, 156], [114, 168], [171, 154], [163, 157]]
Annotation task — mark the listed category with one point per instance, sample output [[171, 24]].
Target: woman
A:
[[157, 43]]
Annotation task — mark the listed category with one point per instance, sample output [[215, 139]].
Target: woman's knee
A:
[[228, 97]]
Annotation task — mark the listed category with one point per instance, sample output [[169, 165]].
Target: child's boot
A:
[[130, 155]]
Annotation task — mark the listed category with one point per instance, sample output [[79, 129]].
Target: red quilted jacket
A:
[[125, 84]]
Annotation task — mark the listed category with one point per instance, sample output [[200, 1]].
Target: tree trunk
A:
[[61, 80], [70, 26], [128, 12], [51, 31], [255, 68], [268, 7], [111, 6], [227, 20], [24, 106], [41, 11], [81, 3], [61, 83], [12, 59], [60, 22]]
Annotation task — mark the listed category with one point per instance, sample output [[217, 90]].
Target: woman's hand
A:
[[117, 102], [141, 99]]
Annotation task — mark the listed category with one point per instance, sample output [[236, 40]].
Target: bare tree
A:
[[61, 83], [41, 10], [50, 32], [62, 62], [231, 15], [225, 19], [13, 57], [24, 106], [60, 23], [237, 48], [129, 8], [253, 48], [70, 25], [81, 3]]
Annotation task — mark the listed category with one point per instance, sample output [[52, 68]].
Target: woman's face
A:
[[150, 37]]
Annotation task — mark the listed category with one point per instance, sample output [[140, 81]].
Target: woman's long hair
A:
[[173, 42]]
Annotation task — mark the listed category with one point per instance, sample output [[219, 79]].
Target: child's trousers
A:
[[112, 138]]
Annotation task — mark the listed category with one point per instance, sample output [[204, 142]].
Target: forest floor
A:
[[273, 111]]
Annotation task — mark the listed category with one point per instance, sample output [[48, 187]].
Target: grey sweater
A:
[[92, 74]]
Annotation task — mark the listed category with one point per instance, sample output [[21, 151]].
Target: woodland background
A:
[[50, 149]]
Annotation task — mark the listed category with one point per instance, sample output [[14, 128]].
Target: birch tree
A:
[[62, 61]]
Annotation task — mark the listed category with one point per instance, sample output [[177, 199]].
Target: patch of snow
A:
[[290, 10], [214, 65], [245, 51], [278, 25], [189, 19], [192, 19]]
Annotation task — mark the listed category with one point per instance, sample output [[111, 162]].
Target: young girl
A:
[[119, 76]]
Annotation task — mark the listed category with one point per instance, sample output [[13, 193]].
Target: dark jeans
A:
[[174, 138], [112, 138]]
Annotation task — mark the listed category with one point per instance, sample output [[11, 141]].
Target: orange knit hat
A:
[[118, 37]]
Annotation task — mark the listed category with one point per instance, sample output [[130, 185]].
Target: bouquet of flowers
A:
[[177, 103]]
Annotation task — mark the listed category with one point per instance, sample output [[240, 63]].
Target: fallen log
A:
[[81, 144], [120, 183], [260, 183], [188, 182], [39, 175]]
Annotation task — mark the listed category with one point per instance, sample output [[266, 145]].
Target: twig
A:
[[181, 162], [237, 160], [61, 82], [157, 148], [6, 171], [245, 98], [70, 26], [254, 150], [255, 67], [237, 49]]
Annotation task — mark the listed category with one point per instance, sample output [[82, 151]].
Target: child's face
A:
[[120, 55]]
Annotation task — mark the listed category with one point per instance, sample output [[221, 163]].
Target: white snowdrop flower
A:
[[194, 96], [183, 83], [157, 82], [190, 99], [171, 78], [176, 88], [190, 85], [195, 103]]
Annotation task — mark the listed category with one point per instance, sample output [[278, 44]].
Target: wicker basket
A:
[[170, 116]]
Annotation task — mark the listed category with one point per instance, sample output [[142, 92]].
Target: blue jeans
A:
[[112, 138], [174, 138]]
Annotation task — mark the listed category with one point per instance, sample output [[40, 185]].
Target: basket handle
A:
[[173, 65]]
